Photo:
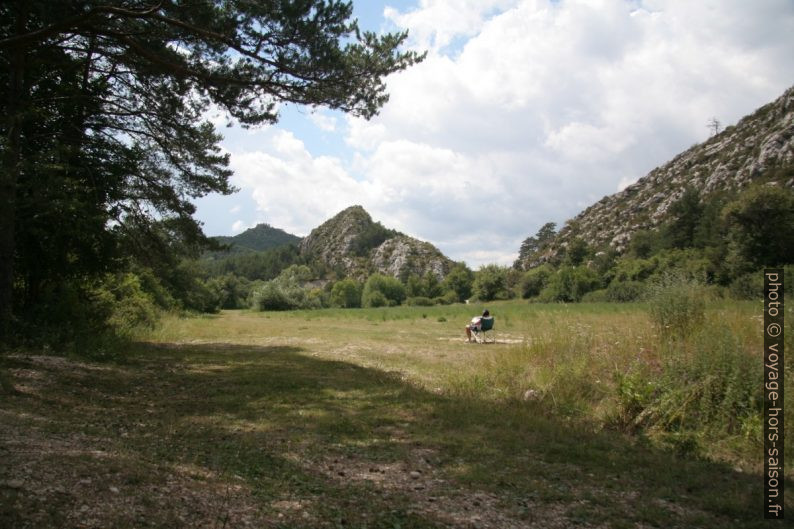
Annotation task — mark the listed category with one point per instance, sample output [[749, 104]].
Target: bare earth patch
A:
[[54, 476]]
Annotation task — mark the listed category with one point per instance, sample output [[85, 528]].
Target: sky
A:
[[524, 112]]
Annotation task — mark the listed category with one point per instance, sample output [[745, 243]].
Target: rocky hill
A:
[[259, 238], [760, 148], [352, 243]]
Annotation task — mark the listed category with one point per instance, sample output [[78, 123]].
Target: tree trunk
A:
[[9, 175]]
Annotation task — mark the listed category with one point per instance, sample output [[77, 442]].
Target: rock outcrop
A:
[[332, 242], [403, 255], [352, 243]]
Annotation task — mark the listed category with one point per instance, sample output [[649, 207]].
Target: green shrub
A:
[[154, 287], [375, 299], [576, 252], [689, 262], [677, 304], [449, 297], [570, 284], [490, 282], [432, 286], [761, 226], [317, 298], [625, 291], [596, 296], [414, 286], [534, 281], [284, 293], [420, 301], [459, 280], [132, 308], [231, 291], [751, 285], [270, 296], [635, 392], [346, 294], [644, 243], [628, 269], [748, 286], [389, 288]]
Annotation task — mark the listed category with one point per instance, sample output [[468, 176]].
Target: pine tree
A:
[[103, 140]]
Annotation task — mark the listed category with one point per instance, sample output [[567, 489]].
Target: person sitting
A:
[[476, 323]]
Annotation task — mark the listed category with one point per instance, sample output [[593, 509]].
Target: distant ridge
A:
[[257, 239]]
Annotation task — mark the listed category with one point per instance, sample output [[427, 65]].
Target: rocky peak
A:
[[352, 241], [335, 238]]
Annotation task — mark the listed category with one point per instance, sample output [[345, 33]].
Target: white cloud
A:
[[239, 226], [527, 111], [323, 121], [625, 182], [293, 190], [436, 23]]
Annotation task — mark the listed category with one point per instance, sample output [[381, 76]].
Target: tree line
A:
[[723, 239]]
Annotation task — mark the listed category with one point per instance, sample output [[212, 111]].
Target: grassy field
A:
[[386, 418]]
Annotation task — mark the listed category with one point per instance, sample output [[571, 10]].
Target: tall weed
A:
[[677, 304], [709, 383]]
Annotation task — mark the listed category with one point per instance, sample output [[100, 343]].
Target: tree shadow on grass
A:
[[359, 447]]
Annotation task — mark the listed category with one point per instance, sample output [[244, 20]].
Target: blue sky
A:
[[524, 112]]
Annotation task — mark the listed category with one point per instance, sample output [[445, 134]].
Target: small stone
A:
[[415, 475], [15, 484], [84, 508], [114, 490], [531, 394]]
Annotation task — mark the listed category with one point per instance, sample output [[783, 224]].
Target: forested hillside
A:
[[259, 238], [757, 150], [716, 214]]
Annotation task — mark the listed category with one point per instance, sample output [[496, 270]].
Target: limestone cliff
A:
[[353, 244], [760, 148]]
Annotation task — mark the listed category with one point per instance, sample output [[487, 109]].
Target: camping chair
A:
[[485, 330]]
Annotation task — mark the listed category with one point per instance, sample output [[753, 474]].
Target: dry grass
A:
[[358, 418]]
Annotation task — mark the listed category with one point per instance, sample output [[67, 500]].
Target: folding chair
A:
[[485, 331]]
